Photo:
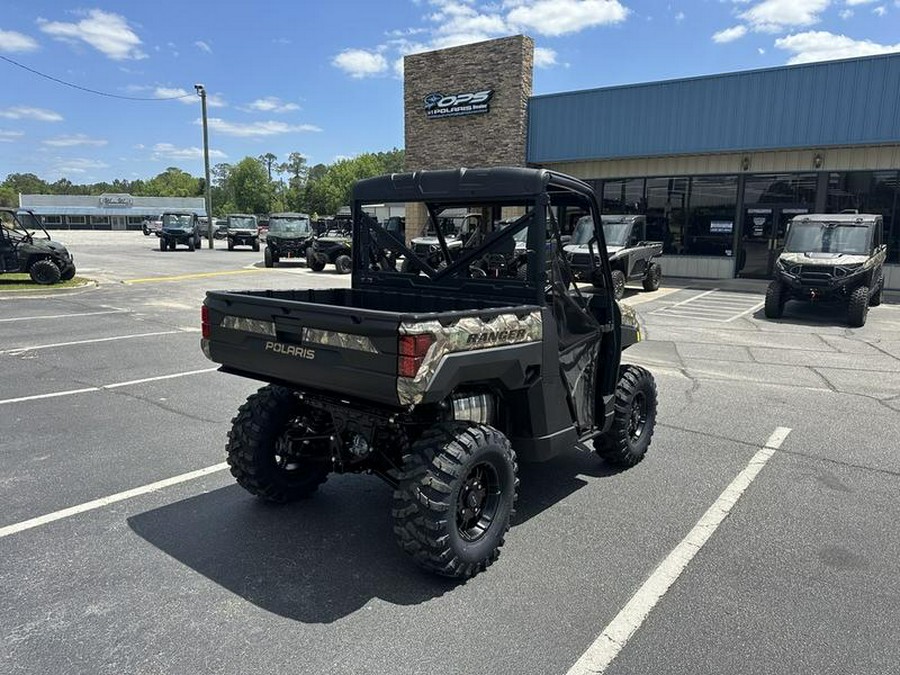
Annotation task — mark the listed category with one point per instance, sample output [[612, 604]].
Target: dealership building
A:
[[106, 211], [718, 164]]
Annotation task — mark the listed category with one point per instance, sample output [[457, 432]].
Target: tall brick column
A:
[[494, 138]]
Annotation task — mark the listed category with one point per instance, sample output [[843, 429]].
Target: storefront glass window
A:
[[76, 220], [869, 192], [99, 220], [713, 209], [781, 188], [623, 196], [667, 205]]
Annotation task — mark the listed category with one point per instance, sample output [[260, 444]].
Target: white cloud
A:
[[881, 10], [74, 139], [26, 113], [771, 16], [203, 46], [11, 41], [730, 34], [10, 136], [544, 57], [104, 31], [360, 62], [559, 17], [824, 46], [272, 104], [188, 97], [78, 165], [679, 17], [169, 151], [252, 129], [453, 23], [854, 3], [845, 14], [760, 51]]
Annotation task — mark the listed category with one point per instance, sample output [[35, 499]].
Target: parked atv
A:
[[630, 255], [439, 383], [456, 229], [831, 257], [22, 249], [332, 249], [242, 230], [179, 228], [289, 236]]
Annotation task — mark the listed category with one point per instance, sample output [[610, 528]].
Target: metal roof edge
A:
[[715, 76]]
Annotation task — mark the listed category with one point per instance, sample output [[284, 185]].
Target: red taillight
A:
[[204, 321], [412, 351]]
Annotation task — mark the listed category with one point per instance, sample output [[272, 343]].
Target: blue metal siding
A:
[[851, 102]]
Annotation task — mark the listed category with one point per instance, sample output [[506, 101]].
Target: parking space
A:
[[197, 576]]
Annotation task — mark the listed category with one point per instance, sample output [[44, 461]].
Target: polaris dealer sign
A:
[[457, 105]]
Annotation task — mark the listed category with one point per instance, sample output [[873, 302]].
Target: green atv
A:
[[23, 250]]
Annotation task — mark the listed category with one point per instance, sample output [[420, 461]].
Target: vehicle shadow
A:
[[322, 559], [819, 314]]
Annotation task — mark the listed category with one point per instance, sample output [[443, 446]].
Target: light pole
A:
[[201, 91]]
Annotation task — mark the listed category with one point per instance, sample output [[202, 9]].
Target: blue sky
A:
[[324, 78]]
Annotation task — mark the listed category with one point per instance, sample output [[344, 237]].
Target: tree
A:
[[26, 183], [267, 160], [173, 182], [8, 197], [297, 168], [250, 189]]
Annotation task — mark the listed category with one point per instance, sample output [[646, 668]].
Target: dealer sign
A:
[[457, 105]]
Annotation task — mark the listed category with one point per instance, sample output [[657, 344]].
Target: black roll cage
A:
[[542, 189]]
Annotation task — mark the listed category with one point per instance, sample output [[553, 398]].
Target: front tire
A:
[[44, 272], [162, 244], [230, 245], [257, 450], [343, 264], [618, 283], [875, 300], [652, 277], [68, 273], [268, 258], [858, 307], [191, 245], [314, 262], [627, 440], [455, 498], [775, 300]]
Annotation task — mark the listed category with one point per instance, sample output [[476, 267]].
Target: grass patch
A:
[[22, 282]]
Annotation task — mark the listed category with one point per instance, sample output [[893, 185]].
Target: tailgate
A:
[[342, 350]]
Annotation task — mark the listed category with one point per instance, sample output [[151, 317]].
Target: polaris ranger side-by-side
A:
[[290, 234], [179, 228], [831, 257], [630, 256], [242, 230], [22, 249], [332, 248], [440, 380]]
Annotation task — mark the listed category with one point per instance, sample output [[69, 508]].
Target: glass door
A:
[[118, 222], [762, 239]]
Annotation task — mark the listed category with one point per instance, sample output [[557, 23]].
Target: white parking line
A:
[[610, 642], [19, 350], [106, 501], [63, 316], [116, 385]]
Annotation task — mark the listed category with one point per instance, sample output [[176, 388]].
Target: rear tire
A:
[[775, 300], [455, 498], [230, 245], [618, 283], [253, 447], [652, 277], [172, 244], [190, 245], [343, 264], [44, 272], [628, 438], [256, 245], [858, 307]]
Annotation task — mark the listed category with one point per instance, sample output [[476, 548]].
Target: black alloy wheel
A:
[[477, 502]]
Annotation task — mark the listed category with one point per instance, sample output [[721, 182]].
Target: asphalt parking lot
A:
[[125, 547]]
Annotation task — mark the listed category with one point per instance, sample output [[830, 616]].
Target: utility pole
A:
[[201, 91]]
